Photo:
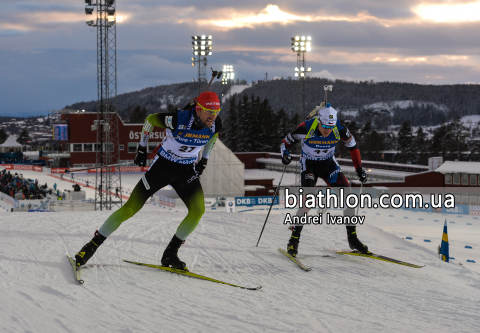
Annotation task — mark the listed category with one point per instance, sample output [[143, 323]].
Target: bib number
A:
[[186, 149]]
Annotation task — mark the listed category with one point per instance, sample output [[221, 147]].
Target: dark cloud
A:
[[53, 61]]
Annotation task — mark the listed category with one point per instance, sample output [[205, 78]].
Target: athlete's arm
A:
[[293, 137], [162, 120], [351, 144], [209, 146]]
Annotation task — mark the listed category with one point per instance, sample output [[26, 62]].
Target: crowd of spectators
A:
[[20, 188], [19, 160]]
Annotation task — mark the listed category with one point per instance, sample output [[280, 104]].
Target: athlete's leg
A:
[[353, 241], [308, 181], [190, 191], [153, 180]]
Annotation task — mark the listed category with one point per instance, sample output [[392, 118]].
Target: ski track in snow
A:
[[40, 294]]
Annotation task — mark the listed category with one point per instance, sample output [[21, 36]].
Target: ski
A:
[[295, 260], [188, 273], [378, 257], [76, 270]]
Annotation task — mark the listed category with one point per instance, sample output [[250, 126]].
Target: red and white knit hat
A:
[[209, 100]]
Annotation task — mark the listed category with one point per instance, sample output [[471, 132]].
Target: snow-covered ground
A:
[[341, 294]]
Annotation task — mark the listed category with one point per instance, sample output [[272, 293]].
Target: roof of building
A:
[[11, 142], [459, 167]]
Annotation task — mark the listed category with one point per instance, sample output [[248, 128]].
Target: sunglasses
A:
[[328, 127], [210, 112]]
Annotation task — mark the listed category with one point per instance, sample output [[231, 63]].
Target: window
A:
[[464, 199], [110, 146], [464, 179], [98, 147], [458, 199], [132, 147], [448, 178], [88, 147], [456, 179], [473, 180], [473, 200], [77, 147], [152, 146], [121, 147]]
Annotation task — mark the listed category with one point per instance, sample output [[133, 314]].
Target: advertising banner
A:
[[7, 166], [458, 209], [22, 167], [8, 200], [475, 210], [230, 206], [58, 170], [253, 201], [167, 202]]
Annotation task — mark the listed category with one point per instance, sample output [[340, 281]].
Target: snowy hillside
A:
[[388, 108], [237, 89], [341, 294]]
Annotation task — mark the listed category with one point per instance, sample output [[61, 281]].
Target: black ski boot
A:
[[170, 255], [89, 249], [354, 242], [292, 246]]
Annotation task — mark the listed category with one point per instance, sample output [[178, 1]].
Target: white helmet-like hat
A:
[[328, 115]]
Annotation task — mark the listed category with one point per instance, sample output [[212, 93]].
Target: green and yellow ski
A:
[[378, 257], [76, 269], [188, 273], [295, 260]]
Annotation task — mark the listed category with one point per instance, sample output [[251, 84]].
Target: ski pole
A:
[[276, 191], [359, 194]]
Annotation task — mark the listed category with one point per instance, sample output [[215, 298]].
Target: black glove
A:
[[141, 157], [286, 158], [362, 176], [201, 165]]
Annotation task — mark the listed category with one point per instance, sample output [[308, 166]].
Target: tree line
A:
[[252, 125]]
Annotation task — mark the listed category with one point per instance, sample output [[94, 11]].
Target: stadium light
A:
[[202, 45], [301, 45], [88, 10], [228, 74], [201, 48]]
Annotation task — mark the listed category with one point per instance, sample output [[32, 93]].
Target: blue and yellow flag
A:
[[444, 247]]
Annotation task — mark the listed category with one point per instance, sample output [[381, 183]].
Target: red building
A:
[[80, 147]]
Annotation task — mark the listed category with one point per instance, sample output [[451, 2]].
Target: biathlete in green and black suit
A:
[[187, 132]]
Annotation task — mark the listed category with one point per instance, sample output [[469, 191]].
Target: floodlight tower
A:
[[301, 45], [201, 48], [106, 149], [228, 75]]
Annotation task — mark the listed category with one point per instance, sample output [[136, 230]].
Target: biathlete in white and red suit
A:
[[318, 137]]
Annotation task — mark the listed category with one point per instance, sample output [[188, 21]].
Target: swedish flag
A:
[[444, 246]]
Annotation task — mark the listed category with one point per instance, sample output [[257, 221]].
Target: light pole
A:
[[301, 45], [106, 147], [201, 48]]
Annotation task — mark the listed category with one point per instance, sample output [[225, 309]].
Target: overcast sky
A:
[[48, 53]]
